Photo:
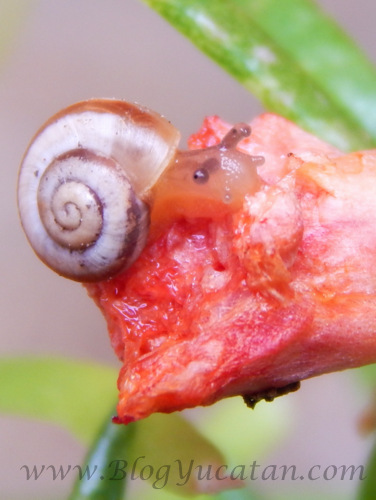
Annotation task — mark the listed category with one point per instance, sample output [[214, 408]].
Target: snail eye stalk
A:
[[91, 176]]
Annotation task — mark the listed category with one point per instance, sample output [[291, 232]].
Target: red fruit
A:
[[251, 302]]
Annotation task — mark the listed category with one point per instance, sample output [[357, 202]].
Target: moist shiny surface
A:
[[278, 291]]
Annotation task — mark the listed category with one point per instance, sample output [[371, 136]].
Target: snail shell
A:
[[84, 184]]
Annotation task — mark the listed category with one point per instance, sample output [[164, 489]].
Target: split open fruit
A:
[[251, 302]]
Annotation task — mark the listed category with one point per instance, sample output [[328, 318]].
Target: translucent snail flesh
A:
[[93, 172]]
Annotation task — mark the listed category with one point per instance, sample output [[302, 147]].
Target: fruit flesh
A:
[[281, 290]]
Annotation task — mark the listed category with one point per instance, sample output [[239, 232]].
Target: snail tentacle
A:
[[94, 171]]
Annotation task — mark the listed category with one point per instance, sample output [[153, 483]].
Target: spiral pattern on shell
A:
[[84, 183]]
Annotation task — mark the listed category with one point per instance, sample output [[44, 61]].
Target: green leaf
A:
[[256, 431], [325, 58], [367, 374], [103, 477], [73, 394], [367, 491], [173, 449], [77, 395], [292, 75], [239, 494], [162, 451]]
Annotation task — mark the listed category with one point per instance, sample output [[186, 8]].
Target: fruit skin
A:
[[282, 290]]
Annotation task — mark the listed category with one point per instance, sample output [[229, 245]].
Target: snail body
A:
[[92, 173], [208, 182]]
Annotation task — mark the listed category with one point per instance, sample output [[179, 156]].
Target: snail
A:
[[90, 178]]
